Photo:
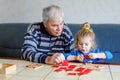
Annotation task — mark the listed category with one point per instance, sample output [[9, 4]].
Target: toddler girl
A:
[[85, 47]]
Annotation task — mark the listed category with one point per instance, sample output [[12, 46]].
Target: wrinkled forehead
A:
[[57, 16], [58, 19]]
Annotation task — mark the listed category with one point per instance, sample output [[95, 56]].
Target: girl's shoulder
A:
[[96, 50]]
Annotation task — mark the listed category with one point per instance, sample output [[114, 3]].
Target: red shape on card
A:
[[58, 70], [69, 69], [71, 66], [80, 69], [63, 68], [86, 56], [72, 73], [54, 66], [85, 71], [65, 63]]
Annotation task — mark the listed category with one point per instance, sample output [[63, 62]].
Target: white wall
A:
[[76, 11]]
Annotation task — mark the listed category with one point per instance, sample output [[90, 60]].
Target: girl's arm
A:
[[102, 55], [71, 56], [97, 55]]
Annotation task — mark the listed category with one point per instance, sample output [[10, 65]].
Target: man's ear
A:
[[44, 23]]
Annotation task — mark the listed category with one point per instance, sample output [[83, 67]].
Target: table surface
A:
[[47, 72]]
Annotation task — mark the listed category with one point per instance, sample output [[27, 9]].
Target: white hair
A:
[[50, 13]]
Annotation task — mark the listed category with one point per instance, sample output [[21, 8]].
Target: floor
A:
[[47, 72]]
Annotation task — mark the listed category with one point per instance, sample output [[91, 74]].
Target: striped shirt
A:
[[38, 43]]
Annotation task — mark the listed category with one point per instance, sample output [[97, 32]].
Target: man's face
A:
[[54, 26]]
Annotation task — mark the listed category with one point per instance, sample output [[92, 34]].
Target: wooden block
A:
[[7, 68]]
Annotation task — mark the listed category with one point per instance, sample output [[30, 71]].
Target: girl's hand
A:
[[97, 55], [80, 58], [93, 56]]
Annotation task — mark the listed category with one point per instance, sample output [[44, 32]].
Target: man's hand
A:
[[55, 59]]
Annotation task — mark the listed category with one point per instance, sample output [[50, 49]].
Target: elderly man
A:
[[45, 41]]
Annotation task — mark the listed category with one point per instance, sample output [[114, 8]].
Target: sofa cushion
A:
[[11, 39], [107, 35], [115, 59]]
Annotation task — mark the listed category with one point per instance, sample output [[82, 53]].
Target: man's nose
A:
[[59, 28]]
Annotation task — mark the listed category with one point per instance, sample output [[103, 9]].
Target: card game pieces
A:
[[71, 66], [72, 73], [34, 65], [80, 69], [86, 56], [55, 66], [71, 70], [58, 70], [83, 71], [64, 63], [98, 67]]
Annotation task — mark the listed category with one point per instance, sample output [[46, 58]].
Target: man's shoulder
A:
[[35, 26], [66, 28]]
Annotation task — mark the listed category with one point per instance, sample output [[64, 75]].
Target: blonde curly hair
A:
[[85, 31]]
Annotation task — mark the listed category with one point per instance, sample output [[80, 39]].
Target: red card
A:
[[86, 56], [63, 68], [80, 69], [69, 69], [54, 66], [58, 70], [71, 66], [85, 71], [65, 63], [72, 73]]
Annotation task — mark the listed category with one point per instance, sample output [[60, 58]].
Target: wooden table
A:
[[46, 72]]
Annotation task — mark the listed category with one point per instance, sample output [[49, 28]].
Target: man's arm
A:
[[29, 48]]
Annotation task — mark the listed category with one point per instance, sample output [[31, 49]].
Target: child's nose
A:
[[83, 45]]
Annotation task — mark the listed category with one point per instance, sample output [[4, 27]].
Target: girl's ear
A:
[[93, 45]]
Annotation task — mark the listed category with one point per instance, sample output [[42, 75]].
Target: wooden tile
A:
[[7, 68]]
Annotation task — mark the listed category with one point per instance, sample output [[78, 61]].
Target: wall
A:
[[76, 11]]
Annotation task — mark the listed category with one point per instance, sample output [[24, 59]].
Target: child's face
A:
[[84, 44]]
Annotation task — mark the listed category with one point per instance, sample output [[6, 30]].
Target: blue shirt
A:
[[77, 52], [38, 43]]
